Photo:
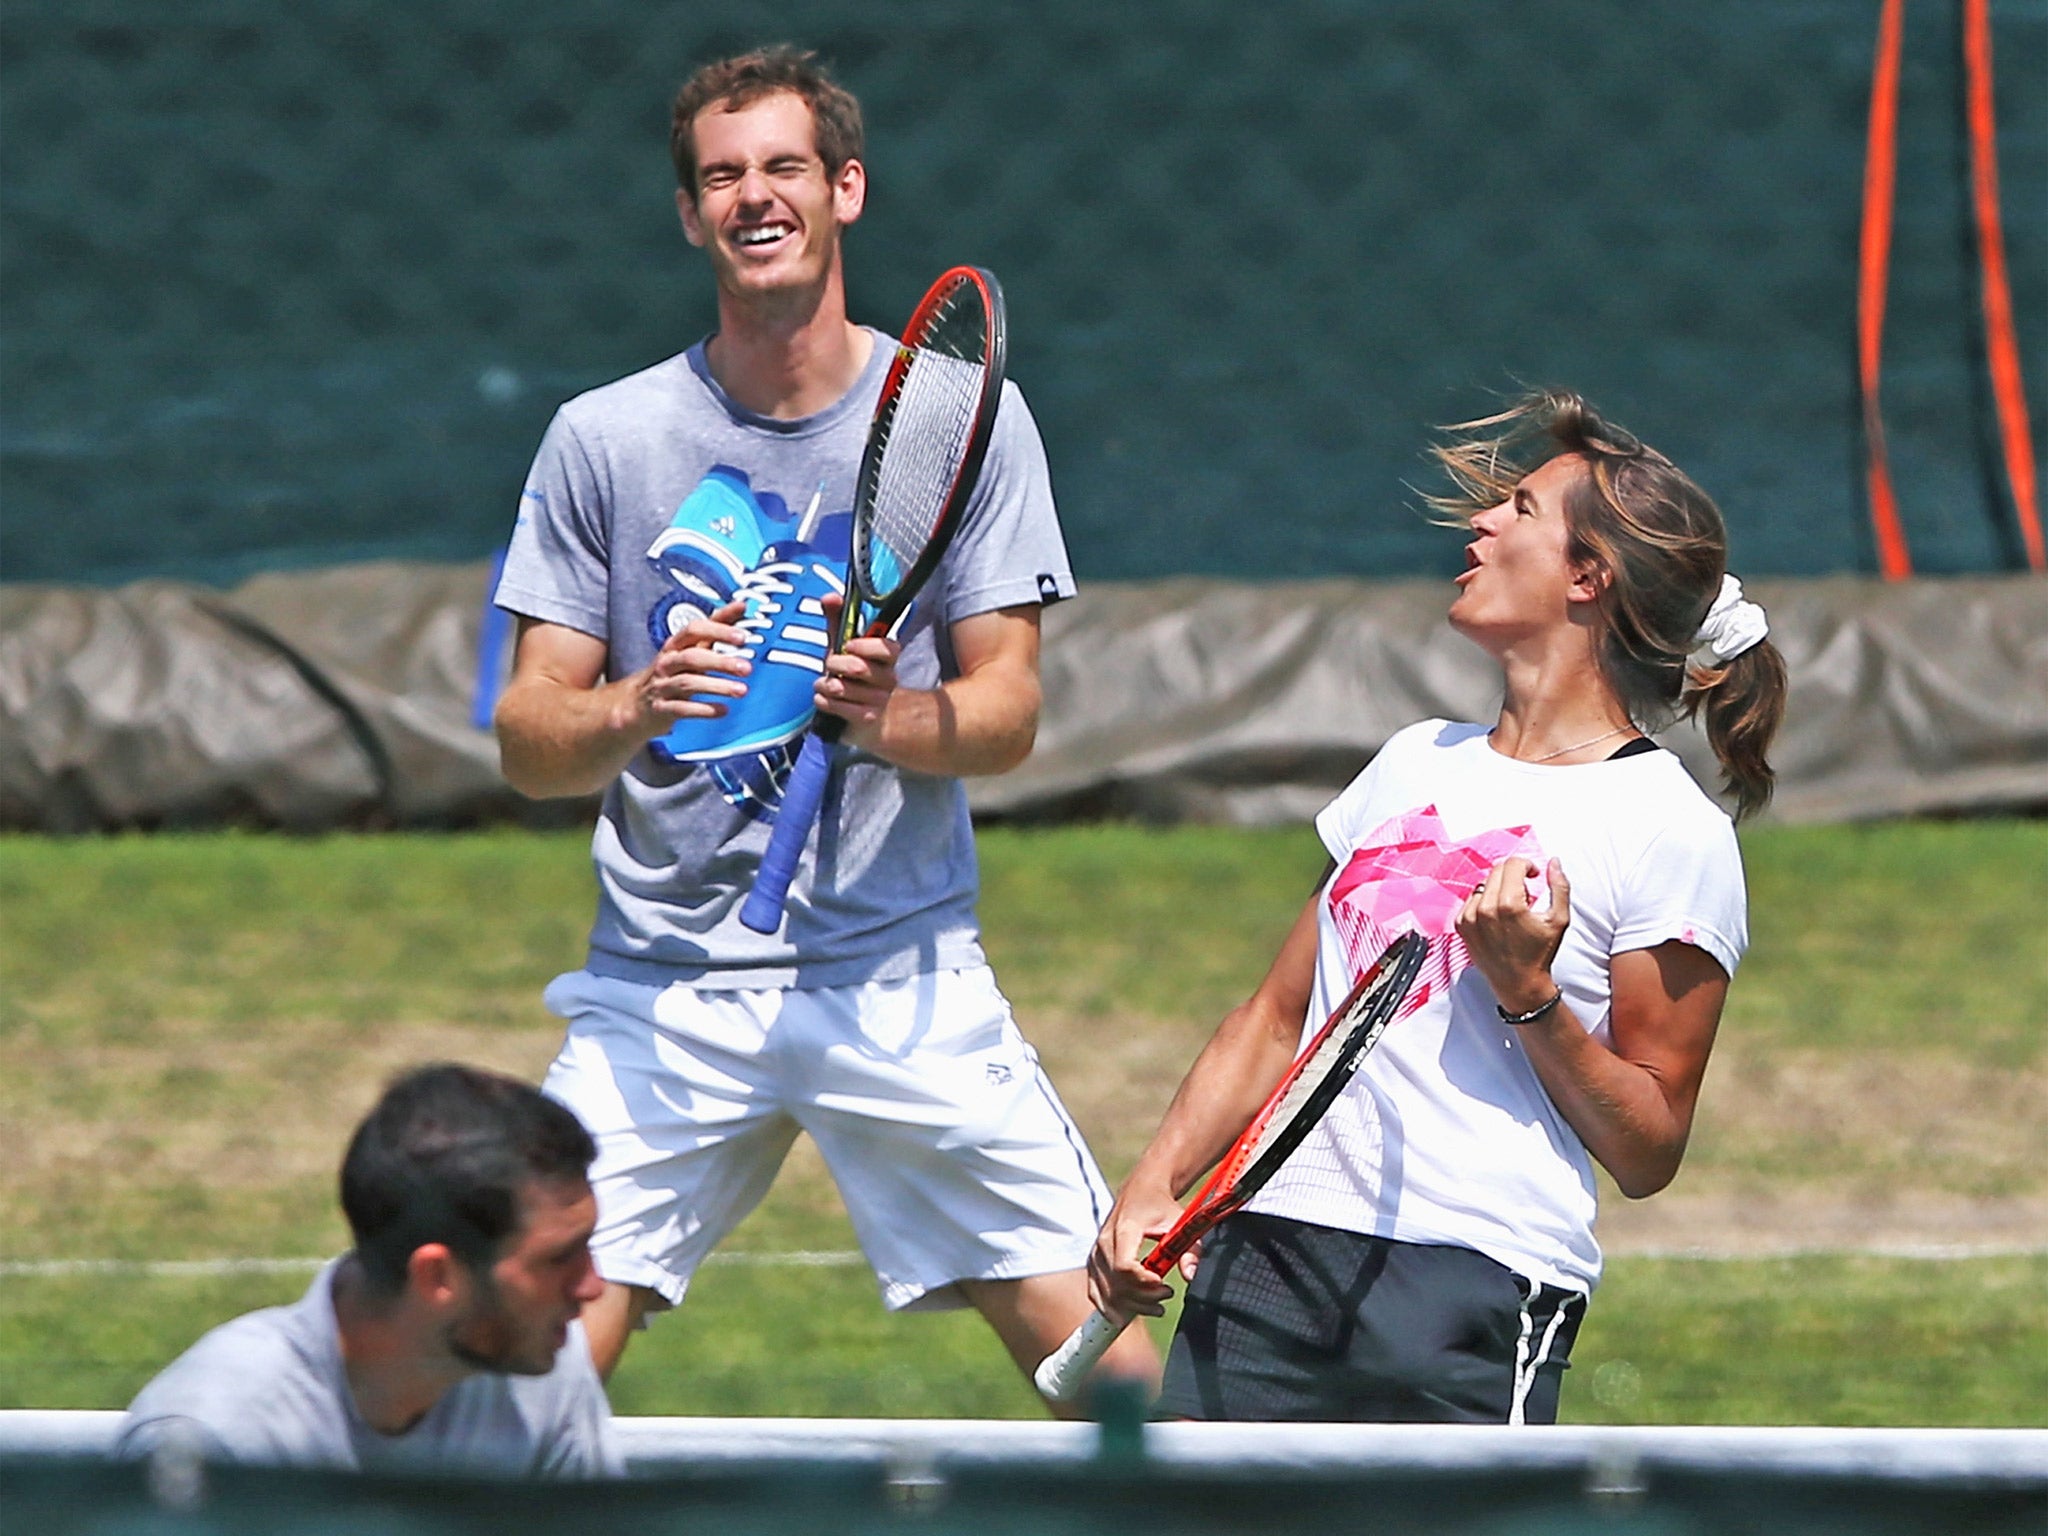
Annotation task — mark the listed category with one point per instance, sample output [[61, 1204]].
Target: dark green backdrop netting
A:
[[296, 284]]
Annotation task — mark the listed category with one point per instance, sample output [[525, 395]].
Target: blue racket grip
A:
[[762, 910]]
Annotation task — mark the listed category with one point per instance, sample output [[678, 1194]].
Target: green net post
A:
[[1119, 1408]]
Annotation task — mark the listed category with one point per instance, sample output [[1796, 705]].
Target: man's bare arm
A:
[[563, 730], [980, 722]]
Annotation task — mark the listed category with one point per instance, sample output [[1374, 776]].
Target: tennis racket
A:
[[1310, 1087], [922, 462]]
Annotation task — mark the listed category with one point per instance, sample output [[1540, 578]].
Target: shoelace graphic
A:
[[759, 589]]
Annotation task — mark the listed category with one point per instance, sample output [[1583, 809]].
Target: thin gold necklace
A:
[[1579, 747]]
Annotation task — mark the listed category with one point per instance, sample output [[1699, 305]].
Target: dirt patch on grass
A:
[[1882, 1120], [1792, 1147], [1774, 1219], [1117, 1079], [228, 1142], [109, 1132], [1877, 1149]]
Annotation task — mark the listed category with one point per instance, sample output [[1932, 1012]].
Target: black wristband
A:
[[1519, 1019]]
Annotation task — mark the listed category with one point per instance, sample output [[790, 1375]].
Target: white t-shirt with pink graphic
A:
[[1446, 1135]]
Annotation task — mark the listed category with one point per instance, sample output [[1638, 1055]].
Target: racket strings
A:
[[1340, 1142], [924, 442], [1328, 1057], [1334, 1050]]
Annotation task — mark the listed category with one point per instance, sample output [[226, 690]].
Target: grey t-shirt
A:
[[269, 1389], [648, 502]]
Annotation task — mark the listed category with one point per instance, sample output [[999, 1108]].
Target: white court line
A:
[[840, 1258]]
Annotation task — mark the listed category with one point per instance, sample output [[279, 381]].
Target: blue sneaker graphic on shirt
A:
[[714, 539], [788, 641]]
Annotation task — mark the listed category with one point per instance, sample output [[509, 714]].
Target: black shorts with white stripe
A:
[[1286, 1320]]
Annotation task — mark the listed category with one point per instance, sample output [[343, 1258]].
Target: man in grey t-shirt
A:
[[448, 1337], [679, 550]]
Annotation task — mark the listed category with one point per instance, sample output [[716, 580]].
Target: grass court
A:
[[192, 1023]]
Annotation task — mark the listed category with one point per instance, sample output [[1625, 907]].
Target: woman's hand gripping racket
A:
[[923, 459], [1310, 1087]]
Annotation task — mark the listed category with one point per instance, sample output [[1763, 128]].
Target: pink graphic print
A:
[[1409, 877]]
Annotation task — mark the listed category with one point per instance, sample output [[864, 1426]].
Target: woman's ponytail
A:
[[1741, 702]]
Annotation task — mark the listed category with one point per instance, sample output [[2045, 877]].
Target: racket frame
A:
[[804, 793], [890, 608]]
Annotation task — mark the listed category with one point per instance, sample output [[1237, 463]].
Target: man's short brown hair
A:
[[731, 84]]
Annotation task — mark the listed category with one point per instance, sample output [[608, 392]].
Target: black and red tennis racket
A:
[[923, 460], [1308, 1090]]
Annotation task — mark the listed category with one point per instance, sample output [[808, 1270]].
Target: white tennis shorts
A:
[[955, 1158]]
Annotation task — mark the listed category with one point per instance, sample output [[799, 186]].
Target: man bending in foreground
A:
[[448, 1336]]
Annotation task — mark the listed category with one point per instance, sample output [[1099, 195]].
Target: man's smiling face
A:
[[767, 211]]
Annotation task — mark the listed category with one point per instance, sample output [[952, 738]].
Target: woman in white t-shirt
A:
[[1427, 1253]]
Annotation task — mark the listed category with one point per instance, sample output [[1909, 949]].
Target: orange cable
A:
[[2001, 348], [1880, 175]]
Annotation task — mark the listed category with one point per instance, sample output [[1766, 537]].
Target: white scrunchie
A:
[[1732, 625]]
